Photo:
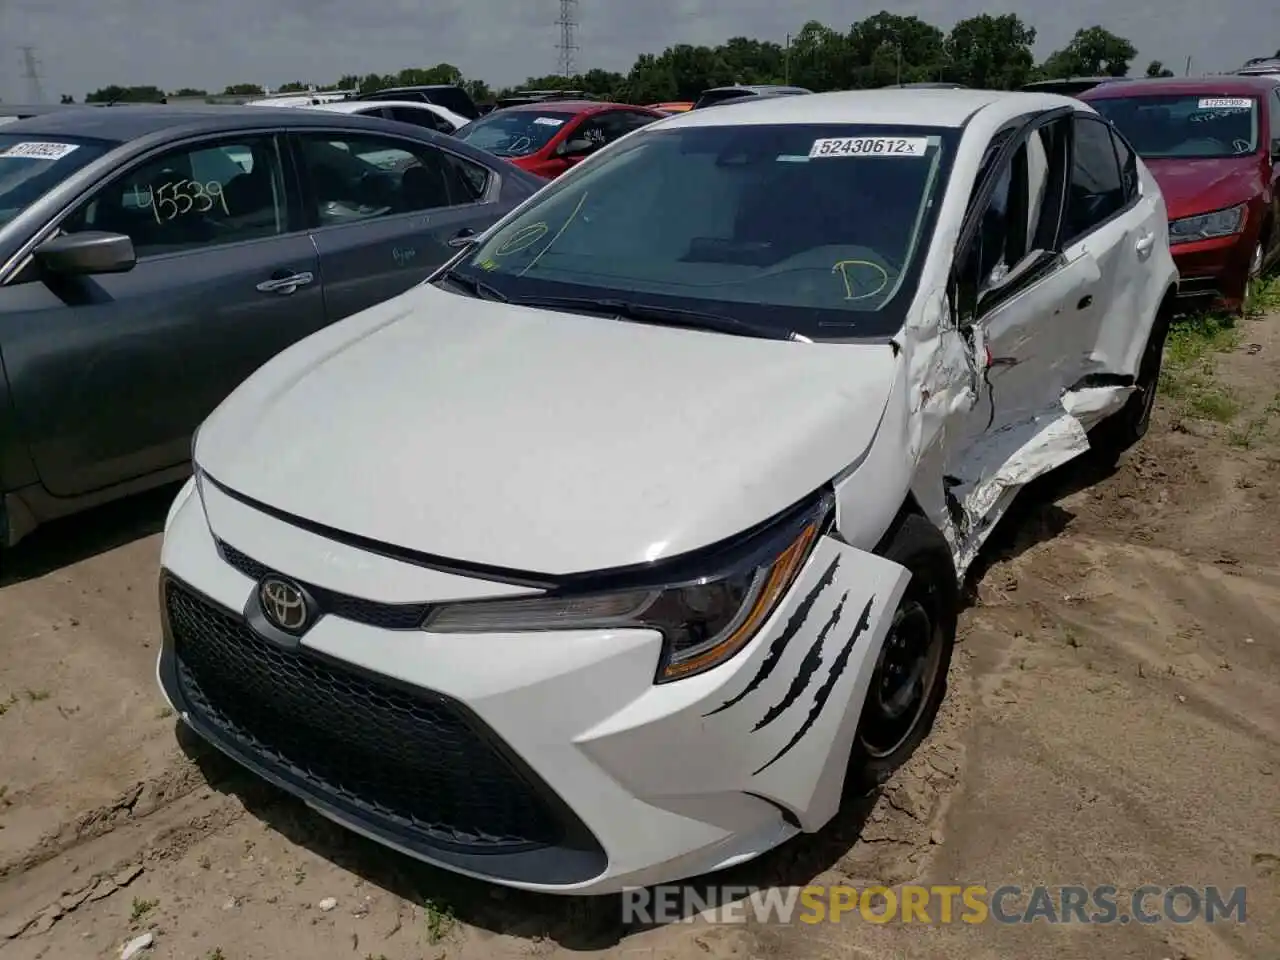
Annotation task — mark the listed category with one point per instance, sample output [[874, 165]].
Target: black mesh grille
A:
[[388, 616], [413, 761]]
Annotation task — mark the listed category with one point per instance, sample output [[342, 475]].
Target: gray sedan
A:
[[152, 257]]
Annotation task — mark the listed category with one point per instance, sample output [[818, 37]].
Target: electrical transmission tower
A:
[[568, 46], [31, 73]]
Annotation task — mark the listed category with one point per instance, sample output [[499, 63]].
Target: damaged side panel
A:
[[1000, 399]]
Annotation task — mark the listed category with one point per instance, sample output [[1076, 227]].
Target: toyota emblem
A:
[[283, 604]]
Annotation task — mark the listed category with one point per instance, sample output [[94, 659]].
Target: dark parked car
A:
[[447, 95], [1067, 86], [547, 138], [541, 96], [1261, 67], [151, 257], [718, 95]]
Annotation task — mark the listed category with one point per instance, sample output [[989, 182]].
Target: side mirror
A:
[[579, 147], [1275, 149], [84, 254]]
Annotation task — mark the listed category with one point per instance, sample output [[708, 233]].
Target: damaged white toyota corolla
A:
[[613, 553]]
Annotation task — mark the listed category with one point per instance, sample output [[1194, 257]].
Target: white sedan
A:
[[616, 551], [428, 115]]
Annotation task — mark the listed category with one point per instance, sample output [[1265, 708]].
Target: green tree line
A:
[[991, 51]]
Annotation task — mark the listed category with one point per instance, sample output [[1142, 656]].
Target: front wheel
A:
[[910, 678], [1255, 274]]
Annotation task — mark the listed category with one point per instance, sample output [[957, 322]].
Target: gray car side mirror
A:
[[87, 253]]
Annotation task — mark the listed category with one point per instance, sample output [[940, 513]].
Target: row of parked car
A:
[[594, 532], [1216, 165]]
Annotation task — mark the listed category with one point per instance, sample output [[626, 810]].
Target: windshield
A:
[[1191, 126], [811, 229], [514, 133], [32, 165]]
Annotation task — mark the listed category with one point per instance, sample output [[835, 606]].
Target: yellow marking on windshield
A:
[[841, 267], [522, 239], [565, 226]]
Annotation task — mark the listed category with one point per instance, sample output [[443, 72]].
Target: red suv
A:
[[1213, 145], [549, 137]]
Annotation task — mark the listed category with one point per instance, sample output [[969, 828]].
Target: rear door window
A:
[[363, 177], [1096, 191]]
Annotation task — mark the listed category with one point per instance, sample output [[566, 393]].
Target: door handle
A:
[[287, 284], [1145, 243], [461, 238]]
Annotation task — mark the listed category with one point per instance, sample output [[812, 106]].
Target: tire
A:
[[1255, 274], [911, 672], [1124, 428]]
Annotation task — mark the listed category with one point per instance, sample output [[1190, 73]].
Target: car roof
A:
[[356, 106], [39, 109], [125, 123], [925, 108], [1227, 83], [417, 86]]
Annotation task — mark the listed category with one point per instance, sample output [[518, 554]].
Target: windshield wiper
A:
[[474, 286], [662, 316]]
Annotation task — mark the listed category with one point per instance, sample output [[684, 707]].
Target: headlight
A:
[[1220, 223], [704, 618]]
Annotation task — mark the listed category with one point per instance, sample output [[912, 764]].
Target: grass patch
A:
[[1214, 404], [1255, 430], [1188, 376], [1264, 297], [141, 908], [440, 920]]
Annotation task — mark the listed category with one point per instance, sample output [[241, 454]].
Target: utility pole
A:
[[786, 62], [568, 47], [31, 73], [1188, 73]]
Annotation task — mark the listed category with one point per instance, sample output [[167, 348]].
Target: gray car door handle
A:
[[285, 285]]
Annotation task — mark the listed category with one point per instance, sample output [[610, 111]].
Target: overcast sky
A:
[[83, 45]]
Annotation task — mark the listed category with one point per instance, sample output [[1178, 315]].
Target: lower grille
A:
[[415, 762], [1198, 286]]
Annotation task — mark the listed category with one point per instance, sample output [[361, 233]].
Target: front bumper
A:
[[1214, 270], [546, 761]]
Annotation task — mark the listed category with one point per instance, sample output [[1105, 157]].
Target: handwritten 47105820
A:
[[170, 200]]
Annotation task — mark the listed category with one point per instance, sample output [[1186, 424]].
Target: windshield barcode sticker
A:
[[549, 121], [40, 151], [1226, 103], [870, 147]]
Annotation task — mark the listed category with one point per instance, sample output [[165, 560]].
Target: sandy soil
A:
[[1114, 717]]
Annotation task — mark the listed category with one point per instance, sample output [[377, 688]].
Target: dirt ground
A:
[[1113, 717]]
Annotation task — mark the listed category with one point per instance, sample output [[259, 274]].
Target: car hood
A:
[[540, 441], [1192, 187]]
